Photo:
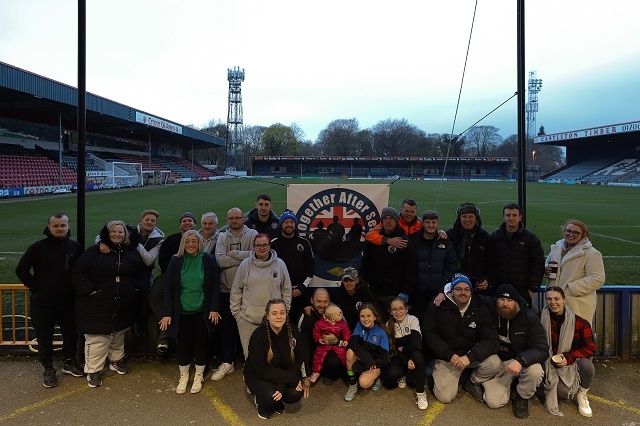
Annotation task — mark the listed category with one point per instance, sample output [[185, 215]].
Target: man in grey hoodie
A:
[[232, 247]]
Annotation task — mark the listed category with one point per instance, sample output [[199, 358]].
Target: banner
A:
[[335, 219]]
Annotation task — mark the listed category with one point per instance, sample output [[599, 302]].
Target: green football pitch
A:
[[606, 210]]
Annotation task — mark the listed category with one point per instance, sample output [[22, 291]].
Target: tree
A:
[[253, 139], [482, 140], [452, 145], [309, 148], [395, 138], [340, 137], [508, 147], [279, 139]]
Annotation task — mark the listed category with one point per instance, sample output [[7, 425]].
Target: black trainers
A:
[[49, 379], [520, 407], [263, 416], [119, 367], [474, 389], [70, 366], [279, 409], [94, 380]]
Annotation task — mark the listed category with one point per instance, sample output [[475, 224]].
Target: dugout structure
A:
[[457, 168]]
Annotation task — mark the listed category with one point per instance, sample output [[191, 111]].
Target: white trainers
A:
[[402, 382], [224, 369], [182, 383], [583, 403], [351, 392], [197, 383], [422, 402]]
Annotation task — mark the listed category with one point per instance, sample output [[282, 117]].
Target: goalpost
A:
[[125, 174]]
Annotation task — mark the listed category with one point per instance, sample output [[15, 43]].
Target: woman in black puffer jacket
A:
[[106, 287]]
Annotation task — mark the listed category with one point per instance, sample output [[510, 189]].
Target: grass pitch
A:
[[608, 211]]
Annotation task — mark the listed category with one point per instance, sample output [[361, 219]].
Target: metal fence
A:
[[616, 325]]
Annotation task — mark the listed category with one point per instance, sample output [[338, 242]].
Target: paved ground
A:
[[147, 396]]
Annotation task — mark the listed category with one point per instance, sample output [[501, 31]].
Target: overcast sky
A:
[[314, 62]]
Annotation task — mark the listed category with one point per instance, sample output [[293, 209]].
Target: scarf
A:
[[568, 374]]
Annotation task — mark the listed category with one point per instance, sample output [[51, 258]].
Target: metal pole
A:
[[82, 117], [60, 148], [522, 126]]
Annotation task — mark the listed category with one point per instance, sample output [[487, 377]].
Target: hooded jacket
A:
[[51, 260], [437, 262], [522, 336], [107, 286], [257, 282], [270, 227], [473, 334], [240, 246], [477, 257]]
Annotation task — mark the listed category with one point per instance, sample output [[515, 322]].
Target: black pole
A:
[[522, 126], [82, 117]]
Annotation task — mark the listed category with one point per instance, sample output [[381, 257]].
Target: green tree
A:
[[279, 139], [340, 137]]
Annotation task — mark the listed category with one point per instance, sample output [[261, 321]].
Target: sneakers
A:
[[520, 407], [314, 377], [422, 402], [224, 369], [94, 380], [376, 385], [583, 403], [162, 347], [279, 409], [402, 382], [197, 383], [49, 379], [182, 383], [70, 366], [119, 367], [474, 389], [351, 393], [263, 416]]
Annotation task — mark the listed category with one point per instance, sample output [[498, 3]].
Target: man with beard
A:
[[462, 334], [523, 351], [474, 248], [296, 253], [332, 367]]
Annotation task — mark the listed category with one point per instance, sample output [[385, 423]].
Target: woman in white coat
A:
[[580, 269]]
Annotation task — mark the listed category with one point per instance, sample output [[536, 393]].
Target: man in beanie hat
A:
[[474, 248], [407, 220], [297, 254], [169, 247], [262, 218], [462, 334], [523, 351], [389, 271], [518, 254]]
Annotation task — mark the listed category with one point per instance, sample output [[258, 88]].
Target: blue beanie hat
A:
[[461, 278], [288, 214]]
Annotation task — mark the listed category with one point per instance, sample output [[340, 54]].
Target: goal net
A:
[[125, 174]]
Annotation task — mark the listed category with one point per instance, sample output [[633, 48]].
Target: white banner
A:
[[335, 218]]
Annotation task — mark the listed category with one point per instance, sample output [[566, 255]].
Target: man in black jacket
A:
[[52, 295], [519, 256], [462, 334], [389, 271], [262, 218], [523, 351]]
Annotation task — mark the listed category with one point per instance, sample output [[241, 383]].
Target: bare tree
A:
[[482, 140], [253, 139], [340, 137], [393, 137]]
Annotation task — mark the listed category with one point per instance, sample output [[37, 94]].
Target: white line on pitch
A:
[[616, 238]]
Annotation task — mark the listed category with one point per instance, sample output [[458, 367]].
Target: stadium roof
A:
[[625, 133], [30, 97]]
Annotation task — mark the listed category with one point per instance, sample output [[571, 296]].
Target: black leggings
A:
[[264, 390], [397, 368], [587, 373], [192, 339]]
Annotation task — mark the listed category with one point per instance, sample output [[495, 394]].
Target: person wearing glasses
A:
[[462, 334], [580, 269], [260, 277], [232, 247]]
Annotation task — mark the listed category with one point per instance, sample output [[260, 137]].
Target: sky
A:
[[310, 63]]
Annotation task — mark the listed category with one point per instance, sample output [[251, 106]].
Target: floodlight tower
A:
[[535, 85], [235, 133]]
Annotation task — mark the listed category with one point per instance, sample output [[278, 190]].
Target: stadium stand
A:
[[25, 167], [615, 172], [578, 171]]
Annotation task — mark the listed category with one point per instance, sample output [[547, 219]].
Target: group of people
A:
[[454, 305]]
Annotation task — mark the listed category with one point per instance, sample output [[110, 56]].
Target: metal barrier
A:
[[616, 325]]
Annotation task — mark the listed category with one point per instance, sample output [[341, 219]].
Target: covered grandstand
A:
[[605, 155], [125, 146]]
